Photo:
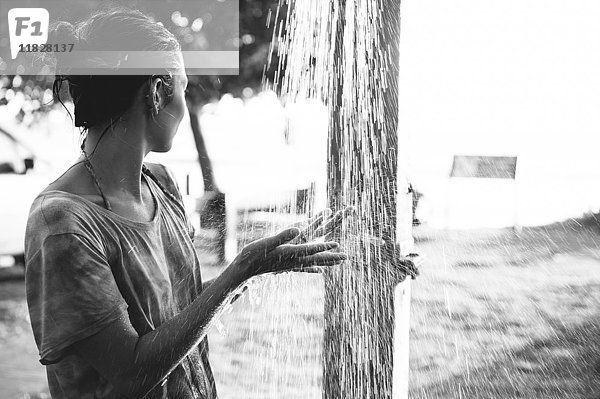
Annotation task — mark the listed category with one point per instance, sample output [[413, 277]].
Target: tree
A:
[[254, 46], [201, 26]]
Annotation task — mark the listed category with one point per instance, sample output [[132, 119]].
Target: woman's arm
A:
[[136, 364], [207, 283]]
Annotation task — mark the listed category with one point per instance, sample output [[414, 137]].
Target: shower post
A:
[[368, 359]]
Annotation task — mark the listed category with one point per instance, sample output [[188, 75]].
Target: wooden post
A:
[[358, 355]]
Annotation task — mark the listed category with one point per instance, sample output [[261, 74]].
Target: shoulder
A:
[[75, 180], [52, 207], [54, 213], [165, 177], [159, 169]]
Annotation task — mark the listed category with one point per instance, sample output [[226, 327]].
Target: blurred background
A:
[[506, 304]]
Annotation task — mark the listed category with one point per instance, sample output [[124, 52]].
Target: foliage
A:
[[257, 23], [194, 32]]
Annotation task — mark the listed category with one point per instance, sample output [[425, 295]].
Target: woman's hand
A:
[[324, 225], [275, 255]]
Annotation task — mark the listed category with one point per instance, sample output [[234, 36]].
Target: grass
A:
[[21, 375], [494, 314], [501, 315]]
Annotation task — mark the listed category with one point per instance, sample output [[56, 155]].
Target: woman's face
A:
[[165, 124]]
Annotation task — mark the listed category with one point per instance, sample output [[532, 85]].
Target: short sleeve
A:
[[71, 293]]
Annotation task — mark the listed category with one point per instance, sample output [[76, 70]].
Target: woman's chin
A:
[[163, 147]]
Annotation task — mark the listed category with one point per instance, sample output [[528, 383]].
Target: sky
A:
[[477, 77], [519, 78]]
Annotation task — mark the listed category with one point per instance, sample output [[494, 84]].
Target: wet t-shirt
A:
[[87, 266]]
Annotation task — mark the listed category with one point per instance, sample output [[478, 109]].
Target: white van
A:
[[21, 179]]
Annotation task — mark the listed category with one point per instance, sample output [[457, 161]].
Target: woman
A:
[[117, 305]]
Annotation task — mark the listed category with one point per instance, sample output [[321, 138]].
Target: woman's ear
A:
[[159, 92], [155, 96]]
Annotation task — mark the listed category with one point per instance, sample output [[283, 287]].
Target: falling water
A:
[[344, 53]]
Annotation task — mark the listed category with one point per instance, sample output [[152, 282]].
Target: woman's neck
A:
[[116, 158]]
